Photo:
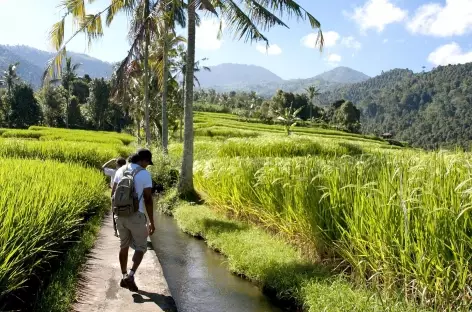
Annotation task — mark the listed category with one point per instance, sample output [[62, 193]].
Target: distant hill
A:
[[430, 110], [34, 61], [235, 74], [238, 77]]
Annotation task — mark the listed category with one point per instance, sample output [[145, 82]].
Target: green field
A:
[[392, 220], [49, 188], [397, 219]]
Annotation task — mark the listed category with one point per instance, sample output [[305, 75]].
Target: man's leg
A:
[[123, 256], [125, 241], [139, 235]]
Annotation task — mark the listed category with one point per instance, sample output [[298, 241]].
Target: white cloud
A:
[[207, 35], [351, 43], [376, 14], [385, 40], [334, 59], [330, 38], [272, 50], [311, 41], [449, 54], [434, 19]]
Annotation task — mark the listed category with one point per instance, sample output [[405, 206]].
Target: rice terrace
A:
[[160, 172]]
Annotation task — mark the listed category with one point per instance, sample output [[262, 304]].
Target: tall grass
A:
[[273, 146], [43, 205], [56, 134], [400, 221], [90, 154]]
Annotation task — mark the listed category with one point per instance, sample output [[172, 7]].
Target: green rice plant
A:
[[44, 204], [401, 221], [83, 135], [225, 132], [90, 154], [25, 134], [74, 138], [285, 147]]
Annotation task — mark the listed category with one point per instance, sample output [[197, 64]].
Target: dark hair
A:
[[121, 161], [134, 158]]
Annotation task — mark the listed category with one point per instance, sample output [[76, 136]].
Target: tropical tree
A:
[[178, 68], [312, 92], [289, 118], [10, 77], [68, 76], [172, 13], [245, 21]]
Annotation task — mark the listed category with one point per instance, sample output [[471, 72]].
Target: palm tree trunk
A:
[[186, 173], [146, 76], [182, 114], [67, 109], [165, 124]]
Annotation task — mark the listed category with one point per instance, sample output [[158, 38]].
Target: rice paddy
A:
[[49, 188], [397, 219]]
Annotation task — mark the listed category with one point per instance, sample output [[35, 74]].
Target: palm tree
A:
[[68, 76], [312, 92], [173, 13], [179, 69], [10, 77], [244, 20]]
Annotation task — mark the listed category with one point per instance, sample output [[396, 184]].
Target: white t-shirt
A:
[[141, 181], [110, 173]]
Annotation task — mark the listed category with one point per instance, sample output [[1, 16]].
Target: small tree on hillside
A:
[[288, 117]]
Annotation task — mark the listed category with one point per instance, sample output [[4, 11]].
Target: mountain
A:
[[27, 70], [34, 61], [431, 109], [235, 74], [238, 77]]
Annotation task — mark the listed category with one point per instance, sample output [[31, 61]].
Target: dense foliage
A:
[[430, 109]]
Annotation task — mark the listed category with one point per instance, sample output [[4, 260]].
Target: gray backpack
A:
[[125, 199]]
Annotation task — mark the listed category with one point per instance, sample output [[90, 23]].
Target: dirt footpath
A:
[[99, 289]]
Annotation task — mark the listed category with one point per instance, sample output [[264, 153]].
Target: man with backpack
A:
[[132, 197]]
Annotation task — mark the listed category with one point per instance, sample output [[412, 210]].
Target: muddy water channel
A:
[[198, 277]]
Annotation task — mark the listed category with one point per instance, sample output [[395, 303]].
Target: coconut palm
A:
[[178, 67], [312, 92], [244, 19], [10, 77], [68, 76]]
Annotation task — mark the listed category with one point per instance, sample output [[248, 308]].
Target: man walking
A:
[[132, 226]]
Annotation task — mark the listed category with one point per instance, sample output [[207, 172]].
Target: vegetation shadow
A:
[[352, 149], [220, 226], [166, 303]]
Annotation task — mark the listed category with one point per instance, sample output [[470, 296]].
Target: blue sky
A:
[[367, 35]]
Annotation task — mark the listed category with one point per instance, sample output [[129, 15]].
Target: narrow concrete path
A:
[[99, 289]]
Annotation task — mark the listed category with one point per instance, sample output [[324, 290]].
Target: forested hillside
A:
[[431, 109], [32, 63]]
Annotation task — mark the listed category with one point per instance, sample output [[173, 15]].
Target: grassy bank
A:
[[277, 267]]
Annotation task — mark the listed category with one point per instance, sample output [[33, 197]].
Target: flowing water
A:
[[198, 277]]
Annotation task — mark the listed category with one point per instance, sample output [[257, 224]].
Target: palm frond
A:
[[239, 23], [54, 66]]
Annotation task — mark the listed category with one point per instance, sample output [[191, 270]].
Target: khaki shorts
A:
[[133, 231]]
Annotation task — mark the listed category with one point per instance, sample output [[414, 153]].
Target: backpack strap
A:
[[133, 174]]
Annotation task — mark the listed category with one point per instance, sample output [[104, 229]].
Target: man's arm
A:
[[108, 163], [148, 202]]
